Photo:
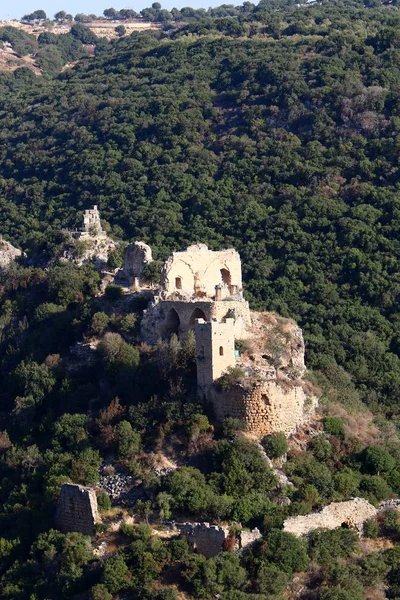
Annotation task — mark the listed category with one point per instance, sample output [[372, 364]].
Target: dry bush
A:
[[359, 425]]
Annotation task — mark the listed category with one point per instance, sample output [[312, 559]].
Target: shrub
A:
[[232, 376], [275, 445], [374, 488], [152, 271], [116, 576], [230, 426], [100, 592], [377, 460], [371, 528], [103, 501], [128, 440], [325, 546], [320, 447], [391, 522], [334, 425], [113, 292], [117, 353], [99, 323]]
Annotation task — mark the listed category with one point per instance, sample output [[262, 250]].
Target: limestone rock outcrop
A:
[[136, 256], [8, 253], [352, 513], [77, 509]]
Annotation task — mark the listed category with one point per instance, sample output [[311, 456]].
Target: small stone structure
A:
[[136, 256], [8, 253], [352, 514], [209, 540], [77, 509], [94, 241]]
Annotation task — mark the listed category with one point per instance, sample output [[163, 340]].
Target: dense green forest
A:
[[275, 131]]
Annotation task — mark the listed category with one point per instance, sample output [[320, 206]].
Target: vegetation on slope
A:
[[277, 133]]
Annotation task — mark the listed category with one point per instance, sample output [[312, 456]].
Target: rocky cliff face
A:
[[7, 254]]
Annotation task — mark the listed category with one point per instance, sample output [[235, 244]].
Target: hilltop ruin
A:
[[201, 290]]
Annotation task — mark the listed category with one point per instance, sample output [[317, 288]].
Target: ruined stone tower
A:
[[77, 509], [91, 221], [215, 350]]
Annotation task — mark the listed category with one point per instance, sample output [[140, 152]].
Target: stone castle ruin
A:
[[201, 291], [77, 509]]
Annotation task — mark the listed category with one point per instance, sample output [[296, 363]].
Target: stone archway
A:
[[172, 324], [196, 314], [226, 277]]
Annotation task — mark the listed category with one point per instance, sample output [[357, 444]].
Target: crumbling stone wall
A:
[[77, 509], [352, 513], [157, 322], [209, 540], [136, 256], [197, 270], [265, 407]]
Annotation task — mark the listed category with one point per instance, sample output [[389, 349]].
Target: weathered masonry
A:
[[77, 509], [201, 291]]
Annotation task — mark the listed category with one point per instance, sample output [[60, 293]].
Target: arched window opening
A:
[[172, 324], [178, 283], [196, 314], [221, 351], [226, 277]]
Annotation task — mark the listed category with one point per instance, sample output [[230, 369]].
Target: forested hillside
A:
[[276, 131]]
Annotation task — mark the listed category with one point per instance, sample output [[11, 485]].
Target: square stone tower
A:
[[215, 350]]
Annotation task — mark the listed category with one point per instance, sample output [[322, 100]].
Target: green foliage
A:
[[70, 431], [325, 546], [99, 323], [104, 502], [287, 552], [69, 283], [377, 460], [116, 576], [232, 376], [118, 354], [334, 425], [371, 528], [128, 440], [275, 445], [113, 292], [152, 271]]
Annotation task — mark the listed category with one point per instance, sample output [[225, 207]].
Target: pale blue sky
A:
[[15, 9]]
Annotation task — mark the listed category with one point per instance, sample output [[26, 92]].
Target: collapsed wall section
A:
[[352, 514]]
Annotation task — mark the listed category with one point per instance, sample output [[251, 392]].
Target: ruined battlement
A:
[[202, 273]]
